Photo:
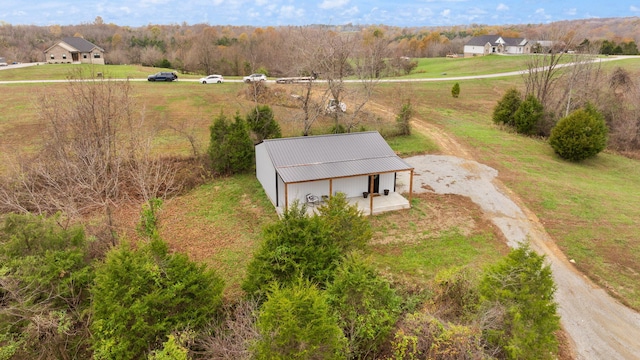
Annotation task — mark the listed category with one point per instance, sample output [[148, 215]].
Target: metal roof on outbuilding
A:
[[308, 158]]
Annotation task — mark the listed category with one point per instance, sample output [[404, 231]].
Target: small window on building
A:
[[84, 56], [64, 56], [96, 56], [53, 56]]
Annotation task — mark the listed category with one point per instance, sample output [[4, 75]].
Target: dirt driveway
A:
[[599, 326]]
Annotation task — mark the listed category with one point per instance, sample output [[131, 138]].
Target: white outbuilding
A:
[[310, 169]]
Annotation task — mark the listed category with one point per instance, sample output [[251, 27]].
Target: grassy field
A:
[[63, 71], [589, 208]]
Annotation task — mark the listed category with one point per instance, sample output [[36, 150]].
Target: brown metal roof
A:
[[308, 158]]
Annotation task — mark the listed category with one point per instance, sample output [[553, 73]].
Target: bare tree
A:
[[234, 334], [304, 54], [370, 65], [333, 62], [542, 74], [205, 51], [96, 155]]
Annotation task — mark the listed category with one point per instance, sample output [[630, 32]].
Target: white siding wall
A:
[[387, 181], [514, 50], [281, 193], [471, 50], [352, 187], [266, 173], [299, 191]]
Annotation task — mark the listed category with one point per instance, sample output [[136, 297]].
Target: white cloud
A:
[[540, 11], [424, 12], [572, 11], [352, 10], [634, 8], [502, 7], [153, 2], [290, 12], [332, 4], [446, 13], [476, 11]]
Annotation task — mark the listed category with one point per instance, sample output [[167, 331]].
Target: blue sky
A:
[[403, 13]]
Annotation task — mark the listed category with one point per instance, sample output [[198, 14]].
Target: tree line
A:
[[285, 50]]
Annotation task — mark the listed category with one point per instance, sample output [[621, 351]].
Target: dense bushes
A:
[[506, 108], [523, 116], [301, 250], [142, 295], [455, 90], [296, 322], [45, 273], [580, 135], [295, 247], [366, 305], [230, 147], [312, 294], [262, 123], [528, 115], [403, 119], [347, 227], [509, 313], [521, 287]]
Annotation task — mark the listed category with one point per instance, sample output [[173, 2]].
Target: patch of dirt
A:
[[435, 215]]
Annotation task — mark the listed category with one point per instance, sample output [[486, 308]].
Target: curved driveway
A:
[[598, 325]]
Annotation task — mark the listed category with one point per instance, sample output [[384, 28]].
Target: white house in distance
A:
[[74, 50], [309, 169], [496, 44]]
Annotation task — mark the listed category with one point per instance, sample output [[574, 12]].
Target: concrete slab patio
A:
[[381, 203]]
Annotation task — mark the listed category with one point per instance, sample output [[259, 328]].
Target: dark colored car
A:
[[163, 76]]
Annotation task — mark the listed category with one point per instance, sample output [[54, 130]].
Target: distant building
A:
[[496, 44], [74, 50]]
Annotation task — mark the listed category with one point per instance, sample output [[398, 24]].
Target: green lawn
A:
[[590, 208]]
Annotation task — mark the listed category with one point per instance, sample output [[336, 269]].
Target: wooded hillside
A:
[[240, 50]]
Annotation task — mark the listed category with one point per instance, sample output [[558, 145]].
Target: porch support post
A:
[[410, 187], [286, 197], [371, 195], [330, 188]]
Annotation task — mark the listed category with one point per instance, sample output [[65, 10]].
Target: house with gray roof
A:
[[310, 169], [74, 50], [496, 44]]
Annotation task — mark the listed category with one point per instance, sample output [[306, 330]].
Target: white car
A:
[[254, 78], [212, 79]]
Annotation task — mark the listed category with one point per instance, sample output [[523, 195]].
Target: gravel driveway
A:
[[598, 325]]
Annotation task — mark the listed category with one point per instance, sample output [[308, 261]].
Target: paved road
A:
[[443, 78]]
